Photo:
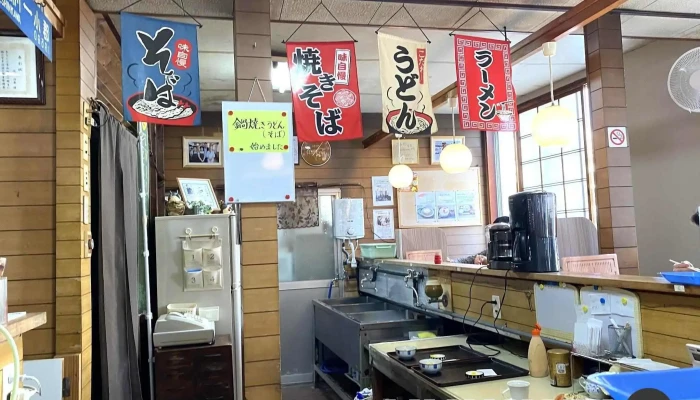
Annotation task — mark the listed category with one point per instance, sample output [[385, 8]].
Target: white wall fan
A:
[[684, 81]]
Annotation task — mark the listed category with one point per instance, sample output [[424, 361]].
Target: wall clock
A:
[[316, 154]]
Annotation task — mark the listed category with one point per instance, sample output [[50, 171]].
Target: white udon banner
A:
[[406, 105]]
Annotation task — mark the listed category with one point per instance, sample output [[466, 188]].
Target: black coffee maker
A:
[[534, 228], [500, 247]]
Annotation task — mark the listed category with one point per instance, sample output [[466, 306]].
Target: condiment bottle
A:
[[537, 355], [438, 259]]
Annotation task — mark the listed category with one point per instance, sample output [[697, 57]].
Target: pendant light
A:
[[456, 157], [553, 126], [400, 175]]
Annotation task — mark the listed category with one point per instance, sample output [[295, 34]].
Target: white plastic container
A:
[[210, 313], [183, 308]]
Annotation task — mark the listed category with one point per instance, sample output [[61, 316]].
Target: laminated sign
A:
[[325, 91], [258, 131], [160, 71], [485, 85], [406, 104], [257, 154]]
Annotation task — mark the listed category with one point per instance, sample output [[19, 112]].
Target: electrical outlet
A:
[[8, 376], [496, 307]]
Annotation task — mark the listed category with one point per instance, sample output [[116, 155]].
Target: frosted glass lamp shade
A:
[[455, 158], [400, 176], [554, 126]]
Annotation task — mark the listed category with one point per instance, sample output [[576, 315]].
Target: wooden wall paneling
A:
[[72, 370], [76, 84], [261, 324], [27, 235], [261, 348], [267, 392]]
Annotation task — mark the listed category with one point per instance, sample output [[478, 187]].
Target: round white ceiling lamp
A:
[[455, 157], [553, 126], [400, 175]]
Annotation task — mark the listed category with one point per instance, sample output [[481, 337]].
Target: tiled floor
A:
[[307, 392]]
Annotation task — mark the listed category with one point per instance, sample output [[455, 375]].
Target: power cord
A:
[[498, 314], [481, 313]]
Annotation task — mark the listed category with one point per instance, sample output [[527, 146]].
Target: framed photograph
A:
[[22, 77], [437, 143], [382, 192], [193, 190], [201, 152], [409, 151]]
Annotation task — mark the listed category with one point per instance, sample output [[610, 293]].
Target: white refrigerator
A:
[[178, 240]]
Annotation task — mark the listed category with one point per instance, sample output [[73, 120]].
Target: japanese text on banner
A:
[[325, 94], [406, 104], [258, 131], [487, 98]]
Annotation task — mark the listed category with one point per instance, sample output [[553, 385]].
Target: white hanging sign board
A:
[[617, 137], [258, 154]]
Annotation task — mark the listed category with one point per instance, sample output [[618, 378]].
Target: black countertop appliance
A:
[[534, 227], [500, 246]]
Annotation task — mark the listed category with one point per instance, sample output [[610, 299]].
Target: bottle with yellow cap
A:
[[537, 355]]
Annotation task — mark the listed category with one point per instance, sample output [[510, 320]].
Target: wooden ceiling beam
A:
[[55, 17], [577, 17]]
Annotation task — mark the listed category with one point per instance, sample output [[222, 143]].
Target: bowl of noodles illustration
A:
[[183, 112], [424, 123]]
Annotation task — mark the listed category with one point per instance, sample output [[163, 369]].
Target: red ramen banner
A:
[[407, 108], [485, 84], [325, 93]]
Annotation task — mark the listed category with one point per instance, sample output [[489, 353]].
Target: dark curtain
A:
[[114, 166]]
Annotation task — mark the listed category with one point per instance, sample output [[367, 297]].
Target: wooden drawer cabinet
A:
[[195, 372]]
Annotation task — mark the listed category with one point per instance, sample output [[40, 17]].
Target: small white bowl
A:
[[405, 352], [430, 366], [440, 357]]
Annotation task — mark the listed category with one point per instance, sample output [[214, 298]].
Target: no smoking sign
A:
[[617, 137]]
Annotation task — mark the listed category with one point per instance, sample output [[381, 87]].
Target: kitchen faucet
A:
[[413, 275]]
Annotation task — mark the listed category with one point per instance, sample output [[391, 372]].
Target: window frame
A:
[[579, 86]]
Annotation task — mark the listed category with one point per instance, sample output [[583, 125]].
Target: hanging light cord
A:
[[453, 124], [551, 81], [398, 139]]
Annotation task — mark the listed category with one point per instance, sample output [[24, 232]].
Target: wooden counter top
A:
[[24, 324], [633, 282]]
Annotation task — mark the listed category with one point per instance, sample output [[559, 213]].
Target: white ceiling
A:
[[529, 75], [216, 37]]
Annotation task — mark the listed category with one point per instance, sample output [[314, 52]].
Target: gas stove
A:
[[462, 366]]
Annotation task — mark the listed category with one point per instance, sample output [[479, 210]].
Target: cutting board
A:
[[555, 305]]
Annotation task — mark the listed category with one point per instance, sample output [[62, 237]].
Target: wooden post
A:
[[75, 85], [617, 231], [261, 344]]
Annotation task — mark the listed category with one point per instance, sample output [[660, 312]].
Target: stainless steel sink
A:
[[350, 300], [362, 307], [386, 316], [346, 326]]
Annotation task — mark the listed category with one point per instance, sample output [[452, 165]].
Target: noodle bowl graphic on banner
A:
[[407, 108], [160, 71]]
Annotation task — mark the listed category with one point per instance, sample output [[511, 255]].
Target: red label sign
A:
[[181, 56], [325, 93], [485, 85]]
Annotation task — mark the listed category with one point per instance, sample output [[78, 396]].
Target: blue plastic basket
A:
[[677, 384], [682, 278]]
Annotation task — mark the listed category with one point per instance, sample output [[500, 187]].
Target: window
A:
[[562, 171]]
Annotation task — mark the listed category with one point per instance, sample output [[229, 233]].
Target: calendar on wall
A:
[[21, 72]]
